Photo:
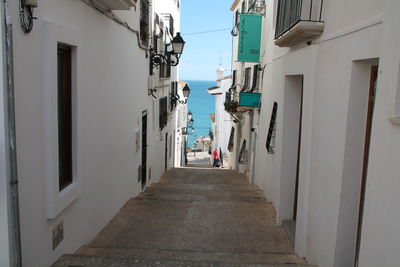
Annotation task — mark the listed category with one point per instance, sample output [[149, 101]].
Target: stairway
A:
[[192, 217]]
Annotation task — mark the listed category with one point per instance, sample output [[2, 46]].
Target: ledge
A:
[[117, 4], [303, 31], [395, 120]]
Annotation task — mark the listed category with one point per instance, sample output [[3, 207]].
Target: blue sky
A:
[[202, 53]]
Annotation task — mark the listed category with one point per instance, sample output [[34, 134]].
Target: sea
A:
[[201, 104]]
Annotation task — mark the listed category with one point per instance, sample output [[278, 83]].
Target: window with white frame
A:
[[397, 104]]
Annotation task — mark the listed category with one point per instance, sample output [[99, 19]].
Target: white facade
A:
[[6, 253], [110, 95], [223, 121], [322, 88]]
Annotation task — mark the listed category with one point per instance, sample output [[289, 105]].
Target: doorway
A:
[[144, 149], [291, 153], [364, 78], [371, 105], [166, 152]]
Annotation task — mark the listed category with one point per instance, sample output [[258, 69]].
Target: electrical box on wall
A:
[[31, 3]]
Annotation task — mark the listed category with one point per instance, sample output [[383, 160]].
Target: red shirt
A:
[[215, 154]]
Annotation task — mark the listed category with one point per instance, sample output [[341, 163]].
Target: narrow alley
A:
[[192, 217]]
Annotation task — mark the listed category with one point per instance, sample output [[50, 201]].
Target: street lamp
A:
[[190, 115], [186, 94], [170, 58]]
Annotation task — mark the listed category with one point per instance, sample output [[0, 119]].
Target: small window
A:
[[247, 74], [234, 74], [64, 109], [237, 17], [256, 77], [270, 144], [231, 140], [163, 112], [242, 154], [144, 22], [397, 106], [165, 69]]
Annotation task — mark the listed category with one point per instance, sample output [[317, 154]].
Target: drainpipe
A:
[[10, 103]]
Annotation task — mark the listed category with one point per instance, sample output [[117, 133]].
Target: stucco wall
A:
[[380, 236], [352, 36], [110, 95]]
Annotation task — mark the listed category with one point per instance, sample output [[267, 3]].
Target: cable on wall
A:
[[26, 16], [115, 18]]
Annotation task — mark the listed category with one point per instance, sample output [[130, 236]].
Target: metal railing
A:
[[291, 12]]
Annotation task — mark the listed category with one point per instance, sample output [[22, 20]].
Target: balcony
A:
[[117, 4], [298, 21], [230, 105]]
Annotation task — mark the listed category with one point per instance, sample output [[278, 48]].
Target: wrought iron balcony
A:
[[298, 21], [230, 105]]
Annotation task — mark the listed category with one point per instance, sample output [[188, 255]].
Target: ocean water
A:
[[201, 104]]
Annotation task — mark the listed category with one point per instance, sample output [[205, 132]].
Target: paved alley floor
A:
[[192, 217]]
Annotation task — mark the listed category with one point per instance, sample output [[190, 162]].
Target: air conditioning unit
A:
[[118, 4]]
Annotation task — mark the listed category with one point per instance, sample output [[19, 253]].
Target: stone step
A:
[[207, 187], [228, 257], [100, 261], [247, 197]]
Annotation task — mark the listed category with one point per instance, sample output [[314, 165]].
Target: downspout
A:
[[10, 102]]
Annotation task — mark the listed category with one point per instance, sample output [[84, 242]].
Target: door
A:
[[371, 105], [166, 151], [296, 191], [144, 149]]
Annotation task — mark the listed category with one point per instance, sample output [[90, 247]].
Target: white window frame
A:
[[57, 201]]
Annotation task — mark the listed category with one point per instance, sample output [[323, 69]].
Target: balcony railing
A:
[[292, 12]]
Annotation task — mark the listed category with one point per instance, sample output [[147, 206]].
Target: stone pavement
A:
[[192, 217]]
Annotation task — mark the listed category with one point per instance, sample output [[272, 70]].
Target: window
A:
[[242, 154], [156, 25], [231, 139], [163, 112], [270, 144], [234, 74], [174, 94], [165, 69], [244, 6], [144, 22], [237, 17], [256, 77], [246, 84], [64, 109], [397, 106]]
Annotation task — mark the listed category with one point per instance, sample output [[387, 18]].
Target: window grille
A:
[[144, 22], [256, 77], [272, 130], [246, 84], [242, 154], [231, 140], [163, 112]]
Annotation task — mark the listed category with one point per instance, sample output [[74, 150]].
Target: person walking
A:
[[216, 158]]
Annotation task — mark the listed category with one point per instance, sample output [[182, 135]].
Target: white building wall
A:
[[110, 94], [380, 237], [5, 217], [335, 69]]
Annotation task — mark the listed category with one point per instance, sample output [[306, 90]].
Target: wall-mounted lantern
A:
[[170, 57], [186, 93]]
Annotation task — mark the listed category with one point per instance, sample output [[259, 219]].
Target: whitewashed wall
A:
[[5, 238], [380, 237], [110, 95], [327, 208]]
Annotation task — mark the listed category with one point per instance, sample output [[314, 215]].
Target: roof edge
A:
[[234, 5]]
